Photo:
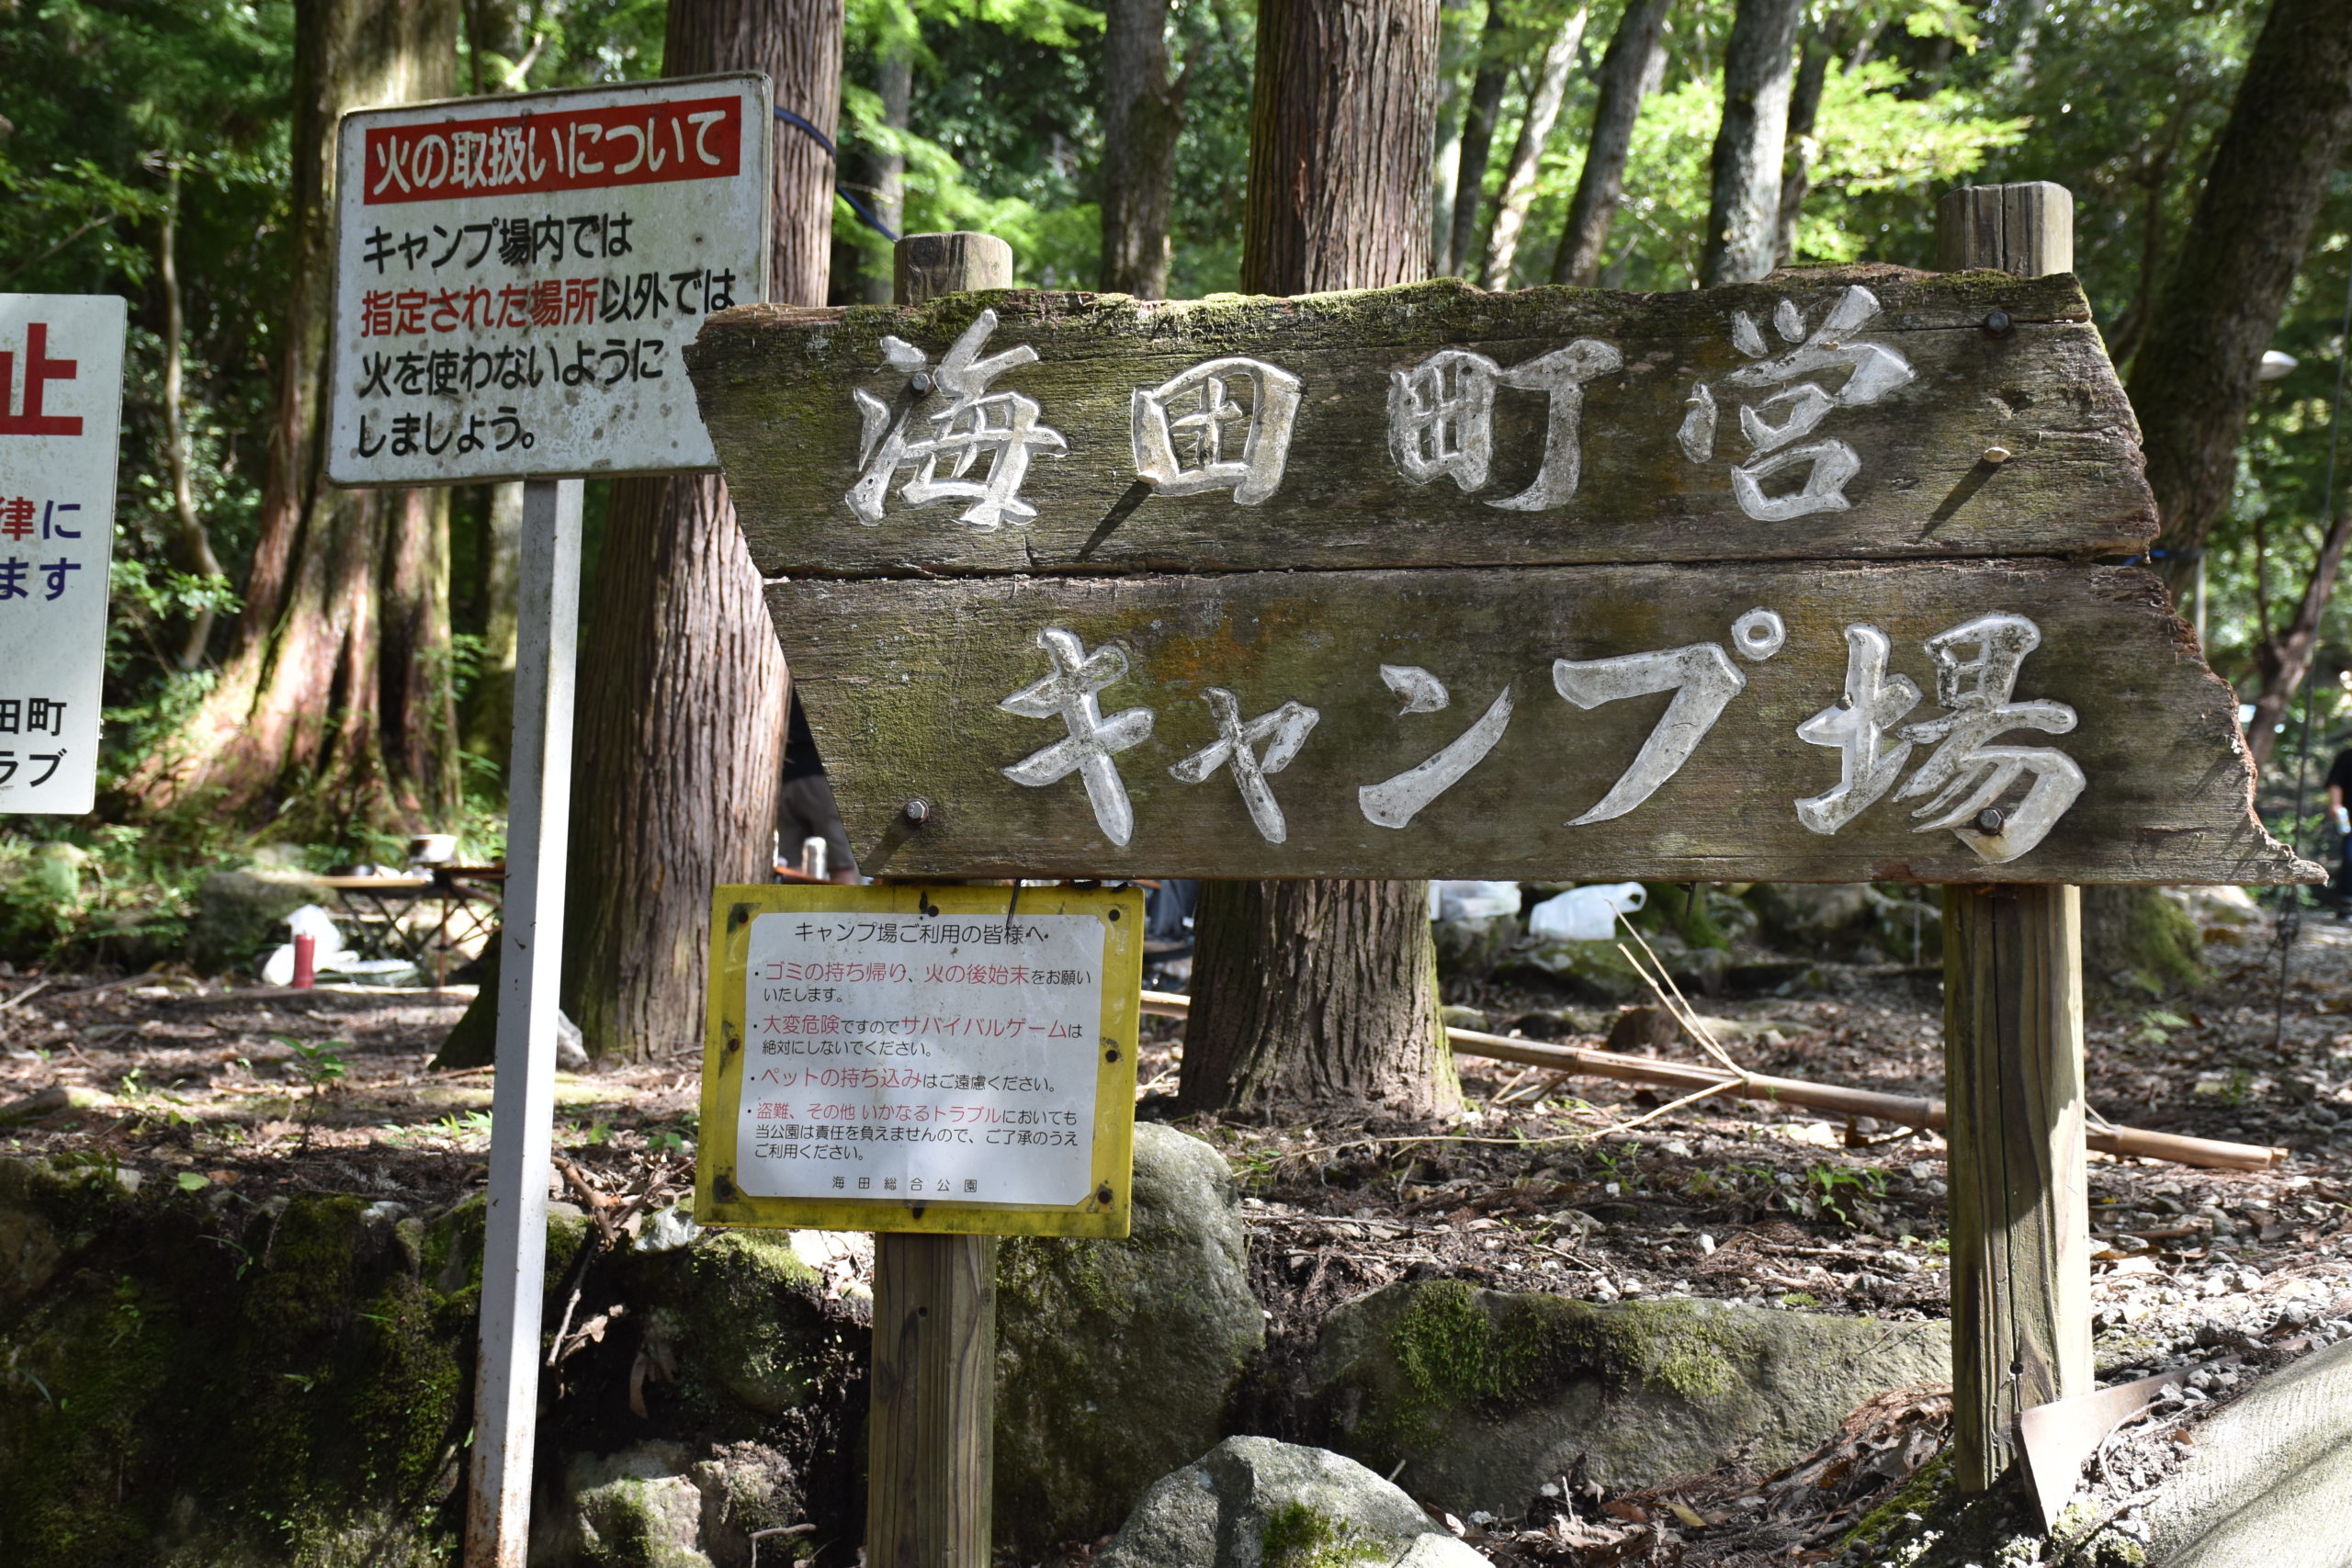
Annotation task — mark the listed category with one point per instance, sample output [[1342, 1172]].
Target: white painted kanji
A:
[[1442, 417], [1977, 664], [1394, 801], [962, 423], [1281, 732], [1776, 424], [1184, 436]]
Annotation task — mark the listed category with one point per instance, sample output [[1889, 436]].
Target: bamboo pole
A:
[[1903, 1111]]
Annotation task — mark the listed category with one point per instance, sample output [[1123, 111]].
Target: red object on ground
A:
[[306, 962]]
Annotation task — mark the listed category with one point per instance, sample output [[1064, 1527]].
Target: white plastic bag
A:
[[1472, 901], [309, 920], [1585, 914]]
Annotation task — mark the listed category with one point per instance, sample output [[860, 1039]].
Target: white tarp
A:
[[514, 277]]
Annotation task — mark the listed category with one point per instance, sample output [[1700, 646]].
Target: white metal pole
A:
[[498, 1509]]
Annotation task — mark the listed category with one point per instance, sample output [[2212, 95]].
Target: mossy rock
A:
[[1116, 1358], [2139, 942], [1485, 1396], [194, 1381], [240, 915], [1256, 1503]]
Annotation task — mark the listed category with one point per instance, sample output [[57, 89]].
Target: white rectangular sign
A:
[[61, 414], [890, 1057], [515, 275]]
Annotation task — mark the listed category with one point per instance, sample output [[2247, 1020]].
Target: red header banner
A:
[[694, 138]]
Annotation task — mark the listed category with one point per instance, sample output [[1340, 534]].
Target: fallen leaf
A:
[[1690, 1517]]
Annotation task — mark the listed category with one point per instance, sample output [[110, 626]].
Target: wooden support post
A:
[[2013, 1042], [930, 1468]]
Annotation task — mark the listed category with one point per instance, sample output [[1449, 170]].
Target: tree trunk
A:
[[1527, 154], [1629, 73], [2195, 374], [680, 750], [886, 168], [1796, 174], [1478, 140], [1323, 995], [490, 708], [192, 545], [1142, 112], [1744, 203], [2284, 658], [333, 705]]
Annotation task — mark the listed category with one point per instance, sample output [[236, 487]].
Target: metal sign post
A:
[[506, 1386], [515, 279]]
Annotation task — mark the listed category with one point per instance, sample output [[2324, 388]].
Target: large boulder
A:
[[1848, 921], [240, 915], [1485, 1396], [1255, 1503], [1116, 1358]]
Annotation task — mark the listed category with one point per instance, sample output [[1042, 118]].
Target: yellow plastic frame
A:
[[717, 1202]]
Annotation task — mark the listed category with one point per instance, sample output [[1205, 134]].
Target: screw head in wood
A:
[[1996, 456], [1989, 820], [1997, 324], [1103, 1193], [917, 811], [920, 383]]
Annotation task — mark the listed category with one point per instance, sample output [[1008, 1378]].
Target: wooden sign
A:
[[1793, 581], [896, 1059]]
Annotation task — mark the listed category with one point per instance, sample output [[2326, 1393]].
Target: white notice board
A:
[[515, 275], [61, 414]]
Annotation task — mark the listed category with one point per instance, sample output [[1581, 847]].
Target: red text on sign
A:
[[698, 139]]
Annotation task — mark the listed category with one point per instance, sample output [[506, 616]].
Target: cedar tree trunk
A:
[[1796, 176], [1323, 995], [1478, 140], [334, 704], [1142, 112], [2196, 373], [1744, 203], [1527, 154], [680, 753], [886, 168], [1628, 74]]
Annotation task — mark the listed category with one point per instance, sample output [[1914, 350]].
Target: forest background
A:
[[149, 148]]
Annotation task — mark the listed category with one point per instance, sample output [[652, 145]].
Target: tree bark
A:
[[1323, 995], [333, 705], [1527, 154], [1744, 203], [2284, 658], [490, 708], [1143, 110], [886, 168], [680, 749], [1796, 173], [1628, 74], [2196, 373], [1478, 140], [193, 544]]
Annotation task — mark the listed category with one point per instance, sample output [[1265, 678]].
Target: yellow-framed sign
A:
[[922, 1058]]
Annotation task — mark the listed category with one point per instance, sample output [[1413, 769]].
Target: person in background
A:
[[2339, 786], [808, 809]]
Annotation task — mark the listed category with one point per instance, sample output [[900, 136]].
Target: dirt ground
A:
[[258, 1091]]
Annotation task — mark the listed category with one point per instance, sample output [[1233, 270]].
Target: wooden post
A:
[[931, 1443], [2013, 1042]]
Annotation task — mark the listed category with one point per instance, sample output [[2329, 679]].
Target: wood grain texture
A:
[[2026, 227], [902, 681], [775, 384], [2020, 1183], [932, 1438]]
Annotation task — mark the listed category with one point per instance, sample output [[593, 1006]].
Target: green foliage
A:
[[1295, 1535]]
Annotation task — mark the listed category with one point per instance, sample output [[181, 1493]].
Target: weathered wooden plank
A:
[[903, 683], [776, 387]]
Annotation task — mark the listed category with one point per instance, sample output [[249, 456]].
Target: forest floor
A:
[[260, 1091]]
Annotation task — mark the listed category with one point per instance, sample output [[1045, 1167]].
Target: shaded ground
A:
[[263, 1091]]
